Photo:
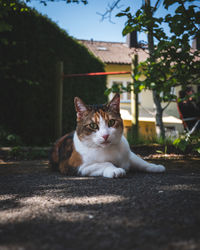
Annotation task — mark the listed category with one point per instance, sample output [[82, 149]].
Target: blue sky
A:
[[82, 21]]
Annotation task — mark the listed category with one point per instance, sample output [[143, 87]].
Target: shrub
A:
[[27, 76], [185, 142], [9, 139]]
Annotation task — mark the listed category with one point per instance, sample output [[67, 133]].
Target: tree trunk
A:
[[160, 131]]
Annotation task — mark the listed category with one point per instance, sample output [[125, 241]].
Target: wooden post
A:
[[135, 109], [135, 62], [58, 99]]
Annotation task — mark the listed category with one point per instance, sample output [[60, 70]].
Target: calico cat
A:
[[97, 147]]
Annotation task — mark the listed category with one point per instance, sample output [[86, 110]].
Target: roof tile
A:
[[114, 52]]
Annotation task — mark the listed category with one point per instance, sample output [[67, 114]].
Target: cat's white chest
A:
[[108, 154], [116, 154]]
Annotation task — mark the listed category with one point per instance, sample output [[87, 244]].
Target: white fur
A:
[[111, 159]]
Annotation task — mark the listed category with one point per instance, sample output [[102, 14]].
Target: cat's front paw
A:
[[113, 172], [155, 168]]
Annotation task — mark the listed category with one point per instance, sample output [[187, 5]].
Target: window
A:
[[172, 92], [100, 48]]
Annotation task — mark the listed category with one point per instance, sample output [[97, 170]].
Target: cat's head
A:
[[99, 125]]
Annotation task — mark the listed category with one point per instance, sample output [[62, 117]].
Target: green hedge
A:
[[27, 71]]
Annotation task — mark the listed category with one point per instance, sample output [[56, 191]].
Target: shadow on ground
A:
[[40, 209]]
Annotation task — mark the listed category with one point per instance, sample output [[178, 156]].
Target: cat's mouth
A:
[[105, 143]]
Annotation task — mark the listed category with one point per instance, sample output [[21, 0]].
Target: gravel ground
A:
[[40, 209]]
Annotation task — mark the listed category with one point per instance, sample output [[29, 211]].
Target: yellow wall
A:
[[127, 123], [147, 129], [117, 67], [127, 126]]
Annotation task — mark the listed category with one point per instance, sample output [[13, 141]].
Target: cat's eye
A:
[[93, 125], [111, 123]]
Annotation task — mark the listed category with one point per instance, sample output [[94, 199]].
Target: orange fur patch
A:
[[101, 113], [69, 166], [65, 156]]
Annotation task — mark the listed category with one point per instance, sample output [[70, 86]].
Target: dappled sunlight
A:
[[183, 244], [180, 187], [36, 206], [78, 178], [50, 207], [34, 162], [87, 200], [7, 197], [68, 210]]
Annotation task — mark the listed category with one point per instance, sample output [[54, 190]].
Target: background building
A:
[[118, 57]]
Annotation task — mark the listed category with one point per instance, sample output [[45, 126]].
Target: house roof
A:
[[114, 52]]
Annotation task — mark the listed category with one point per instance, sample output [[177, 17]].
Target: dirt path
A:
[[44, 210]]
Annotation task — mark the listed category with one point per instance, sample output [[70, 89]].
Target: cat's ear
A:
[[114, 104], [80, 107]]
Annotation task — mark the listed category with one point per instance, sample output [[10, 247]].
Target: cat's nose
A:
[[105, 137]]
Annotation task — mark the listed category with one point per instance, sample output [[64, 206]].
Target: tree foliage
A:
[[174, 62], [171, 61]]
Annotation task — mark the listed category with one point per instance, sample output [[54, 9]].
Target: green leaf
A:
[[181, 144], [141, 87], [120, 14], [107, 92], [152, 85], [168, 3], [159, 151], [128, 29], [137, 76], [127, 9], [198, 150]]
